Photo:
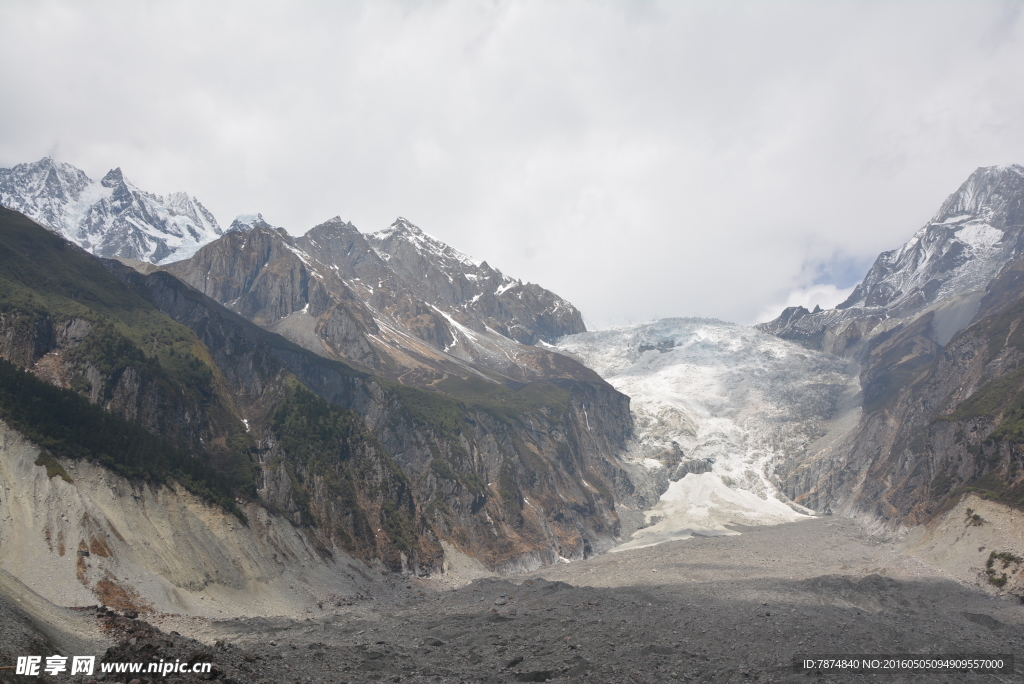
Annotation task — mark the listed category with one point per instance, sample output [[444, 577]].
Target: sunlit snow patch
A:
[[980, 236]]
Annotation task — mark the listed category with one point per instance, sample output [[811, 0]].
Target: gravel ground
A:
[[717, 609]]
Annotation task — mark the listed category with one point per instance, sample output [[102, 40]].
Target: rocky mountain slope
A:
[[479, 454], [110, 217], [450, 332], [94, 340], [945, 421], [509, 472], [934, 331]]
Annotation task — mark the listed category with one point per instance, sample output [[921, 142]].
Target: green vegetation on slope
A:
[[445, 409], [331, 444], [68, 426], [989, 400], [998, 403], [41, 273], [506, 404], [46, 282], [899, 358]]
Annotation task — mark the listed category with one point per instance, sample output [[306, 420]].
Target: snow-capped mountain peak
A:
[[962, 248], [109, 217], [992, 194], [43, 190], [244, 222], [978, 229], [403, 230], [113, 178]]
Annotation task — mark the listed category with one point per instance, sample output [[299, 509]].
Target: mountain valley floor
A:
[[708, 609]]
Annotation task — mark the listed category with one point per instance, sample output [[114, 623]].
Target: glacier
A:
[[716, 405]]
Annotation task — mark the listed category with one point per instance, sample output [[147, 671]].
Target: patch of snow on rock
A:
[[980, 235]]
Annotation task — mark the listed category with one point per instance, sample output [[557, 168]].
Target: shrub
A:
[[1006, 557]]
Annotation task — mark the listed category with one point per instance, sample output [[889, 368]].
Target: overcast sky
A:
[[642, 159]]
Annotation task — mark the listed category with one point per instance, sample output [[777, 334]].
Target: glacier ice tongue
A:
[[704, 505], [716, 404]]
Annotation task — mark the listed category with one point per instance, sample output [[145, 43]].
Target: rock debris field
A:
[[711, 609]]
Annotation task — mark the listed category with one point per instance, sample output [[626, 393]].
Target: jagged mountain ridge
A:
[[438, 308], [449, 279], [398, 303], [944, 267], [110, 217]]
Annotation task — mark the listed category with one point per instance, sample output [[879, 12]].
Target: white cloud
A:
[[641, 159]]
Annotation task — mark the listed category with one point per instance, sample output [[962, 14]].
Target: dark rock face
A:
[[518, 462], [502, 479], [693, 465], [110, 217]]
